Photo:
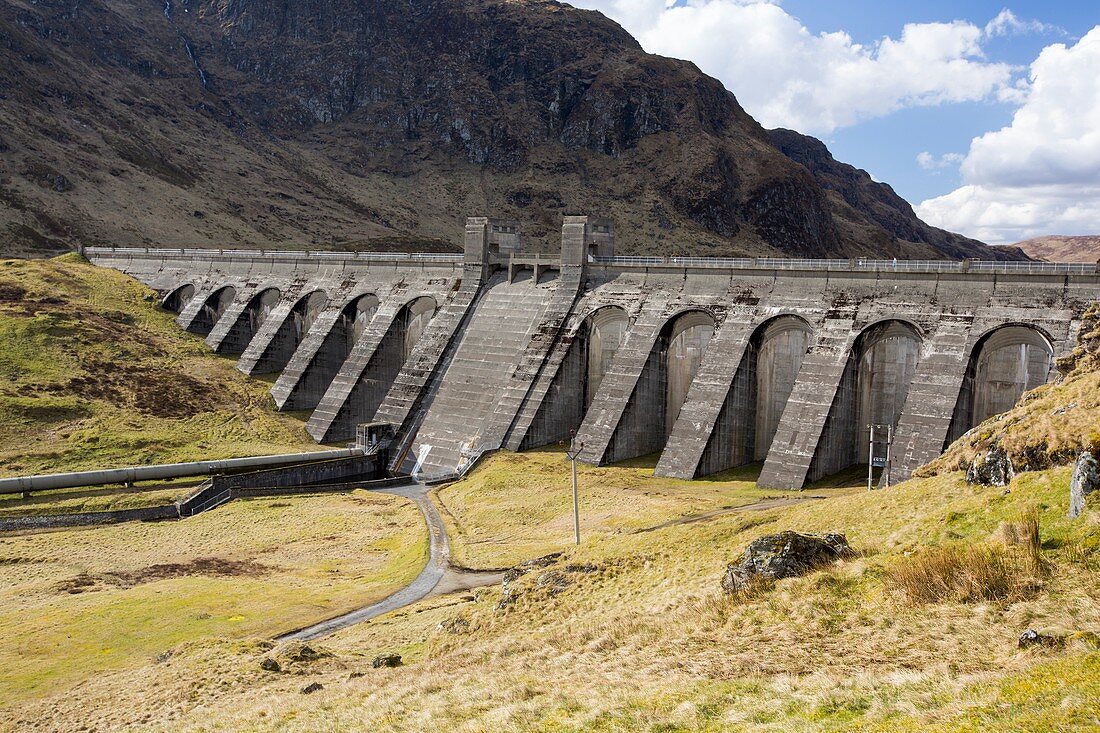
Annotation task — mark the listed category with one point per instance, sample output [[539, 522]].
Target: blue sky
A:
[[984, 115]]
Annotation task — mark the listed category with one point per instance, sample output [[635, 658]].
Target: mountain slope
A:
[[333, 123], [1062, 249]]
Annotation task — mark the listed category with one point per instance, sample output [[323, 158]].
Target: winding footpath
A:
[[437, 576]]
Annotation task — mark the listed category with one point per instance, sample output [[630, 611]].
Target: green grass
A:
[[95, 374], [299, 560], [516, 506]]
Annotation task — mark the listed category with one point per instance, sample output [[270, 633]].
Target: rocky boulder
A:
[[1085, 480], [784, 555], [386, 660], [992, 468]]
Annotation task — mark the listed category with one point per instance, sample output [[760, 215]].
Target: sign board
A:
[[878, 462]]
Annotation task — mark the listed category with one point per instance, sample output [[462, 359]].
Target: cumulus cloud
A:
[[1041, 173], [786, 76]]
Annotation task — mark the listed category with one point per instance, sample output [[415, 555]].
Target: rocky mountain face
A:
[[1062, 248], [382, 124]]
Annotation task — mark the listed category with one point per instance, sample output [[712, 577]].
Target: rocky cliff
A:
[[362, 123]]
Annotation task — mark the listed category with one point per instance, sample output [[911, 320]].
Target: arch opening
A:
[[662, 386], [1004, 364], [872, 391], [582, 370], [346, 331], [249, 321], [404, 332], [759, 392], [213, 308], [288, 335], [178, 299]]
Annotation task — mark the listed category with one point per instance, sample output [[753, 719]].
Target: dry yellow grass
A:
[[639, 638], [519, 505], [95, 374], [76, 604]]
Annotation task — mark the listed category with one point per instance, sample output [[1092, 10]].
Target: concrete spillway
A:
[[707, 363], [459, 417]]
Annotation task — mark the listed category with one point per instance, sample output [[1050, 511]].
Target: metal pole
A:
[[889, 444], [871, 459], [576, 504], [572, 453]]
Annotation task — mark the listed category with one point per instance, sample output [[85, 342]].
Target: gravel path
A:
[[436, 578]]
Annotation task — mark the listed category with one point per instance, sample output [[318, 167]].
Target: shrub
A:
[[959, 574]]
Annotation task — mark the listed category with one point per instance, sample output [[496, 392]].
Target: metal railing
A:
[[856, 265], [722, 263], [278, 254], [212, 503]]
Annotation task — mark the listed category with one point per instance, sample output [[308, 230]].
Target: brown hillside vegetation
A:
[[383, 124], [94, 374], [1062, 249]]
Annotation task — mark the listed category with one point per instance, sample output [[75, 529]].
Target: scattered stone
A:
[[355, 675], [270, 665], [509, 588], [312, 687], [296, 652], [784, 555], [553, 582], [992, 468], [455, 625], [1032, 638], [386, 660], [1086, 480]]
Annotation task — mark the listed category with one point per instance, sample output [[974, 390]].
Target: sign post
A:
[[883, 463]]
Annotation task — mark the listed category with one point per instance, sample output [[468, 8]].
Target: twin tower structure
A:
[[706, 363]]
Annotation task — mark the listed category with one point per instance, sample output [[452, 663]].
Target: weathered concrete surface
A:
[[492, 370]]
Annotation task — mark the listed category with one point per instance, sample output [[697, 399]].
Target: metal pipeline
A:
[[133, 474]]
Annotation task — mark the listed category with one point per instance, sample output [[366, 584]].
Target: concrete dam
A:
[[710, 363]]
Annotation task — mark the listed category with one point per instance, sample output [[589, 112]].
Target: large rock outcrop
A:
[[784, 555], [341, 123]]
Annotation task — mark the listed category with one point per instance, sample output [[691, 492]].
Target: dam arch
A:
[[663, 385], [178, 299], [213, 308], [1004, 363], [591, 351], [314, 367], [371, 368], [248, 321], [298, 317], [761, 387], [872, 390]]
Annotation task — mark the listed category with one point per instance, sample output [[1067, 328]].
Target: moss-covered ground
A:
[[94, 374]]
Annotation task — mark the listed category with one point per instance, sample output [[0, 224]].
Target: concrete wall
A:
[[709, 364]]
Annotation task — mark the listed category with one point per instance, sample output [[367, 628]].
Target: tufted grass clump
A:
[[960, 574]]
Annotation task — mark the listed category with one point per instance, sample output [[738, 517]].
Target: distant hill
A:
[[382, 124], [1062, 249]]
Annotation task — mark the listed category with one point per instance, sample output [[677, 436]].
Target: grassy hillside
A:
[[94, 374], [77, 604], [630, 632]]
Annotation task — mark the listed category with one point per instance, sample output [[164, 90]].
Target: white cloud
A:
[[929, 162], [1007, 24], [1041, 173], [786, 76]]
